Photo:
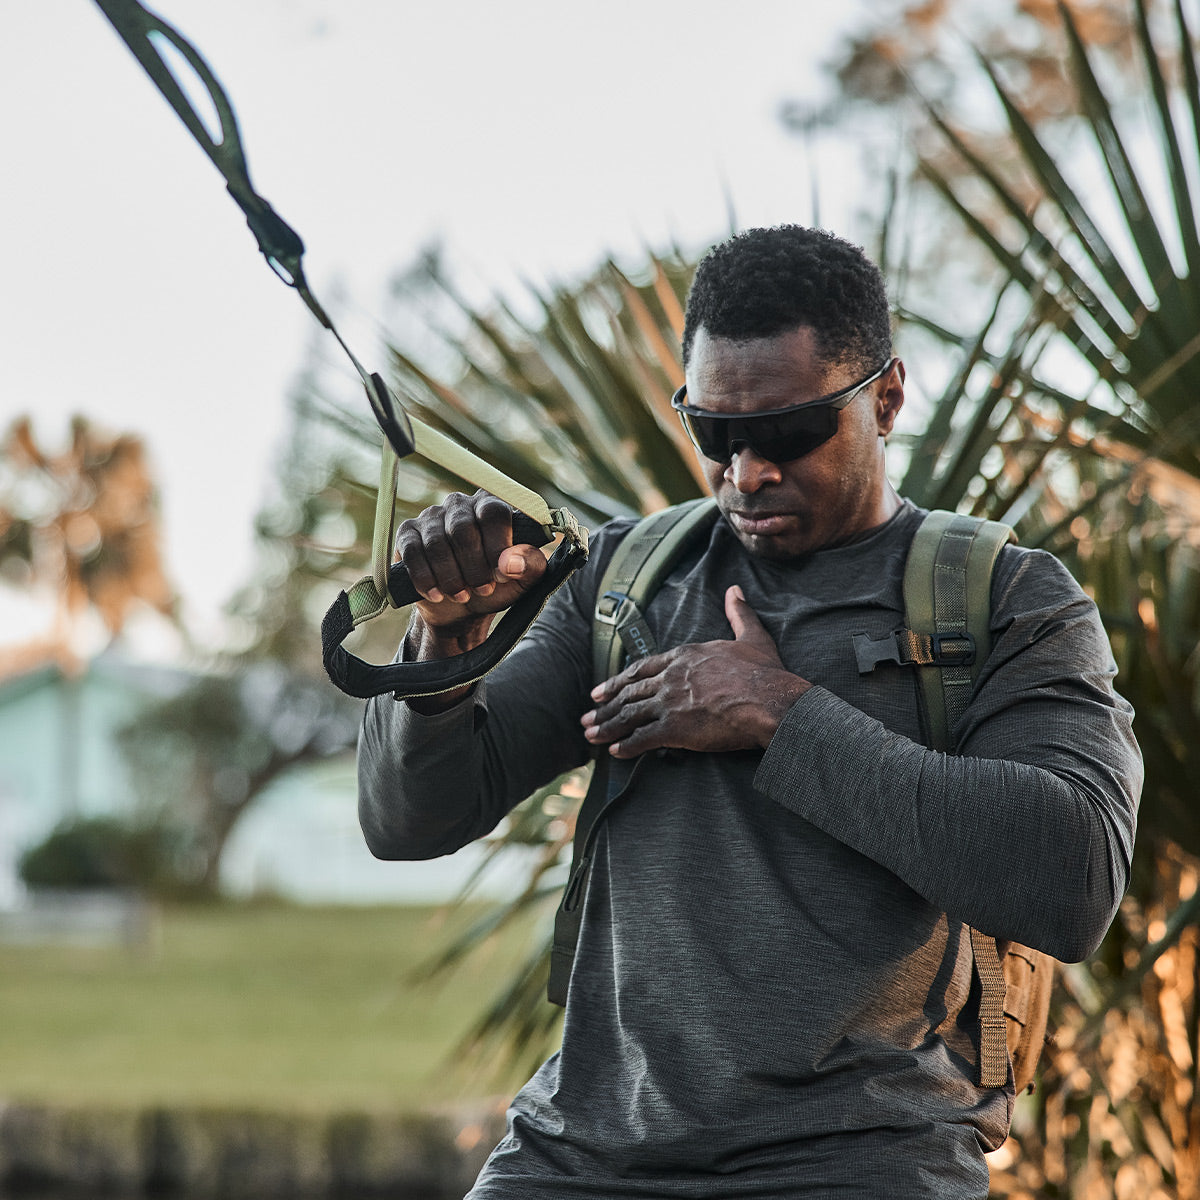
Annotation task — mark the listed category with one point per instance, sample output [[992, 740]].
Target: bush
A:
[[103, 852]]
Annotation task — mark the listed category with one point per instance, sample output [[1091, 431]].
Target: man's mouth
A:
[[760, 524]]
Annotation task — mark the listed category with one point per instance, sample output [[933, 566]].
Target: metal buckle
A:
[[610, 606]]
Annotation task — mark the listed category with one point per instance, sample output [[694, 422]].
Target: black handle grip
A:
[[358, 678], [526, 532]]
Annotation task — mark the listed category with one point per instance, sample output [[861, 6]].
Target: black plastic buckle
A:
[[952, 649]]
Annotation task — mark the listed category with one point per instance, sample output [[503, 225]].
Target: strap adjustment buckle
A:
[[610, 607], [952, 649], [907, 648]]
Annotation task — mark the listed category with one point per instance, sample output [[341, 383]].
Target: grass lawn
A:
[[259, 1006]]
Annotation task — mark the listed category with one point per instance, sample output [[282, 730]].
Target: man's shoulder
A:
[[1021, 572]]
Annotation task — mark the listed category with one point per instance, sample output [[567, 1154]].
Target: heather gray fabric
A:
[[773, 990]]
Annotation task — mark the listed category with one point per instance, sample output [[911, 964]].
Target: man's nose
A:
[[748, 471]]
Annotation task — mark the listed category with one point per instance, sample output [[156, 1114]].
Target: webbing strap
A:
[[569, 917], [358, 678], [947, 597], [146, 34], [633, 575], [947, 593], [993, 1031], [638, 566]]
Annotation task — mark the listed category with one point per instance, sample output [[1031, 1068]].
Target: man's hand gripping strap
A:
[[362, 679]]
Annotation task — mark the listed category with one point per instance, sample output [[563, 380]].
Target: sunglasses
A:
[[781, 435]]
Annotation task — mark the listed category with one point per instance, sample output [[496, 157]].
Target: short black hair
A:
[[764, 282]]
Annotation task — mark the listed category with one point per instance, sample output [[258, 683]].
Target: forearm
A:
[[431, 782], [421, 786], [1035, 853]]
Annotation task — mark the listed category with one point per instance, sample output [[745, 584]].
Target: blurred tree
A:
[[81, 527], [934, 49], [201, 758], [264, 706], [82, 523], [104, 852]]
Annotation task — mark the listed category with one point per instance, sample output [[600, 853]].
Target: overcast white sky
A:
[[531, 136]]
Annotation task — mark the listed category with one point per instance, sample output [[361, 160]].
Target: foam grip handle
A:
[[358, 678], [526, 532]]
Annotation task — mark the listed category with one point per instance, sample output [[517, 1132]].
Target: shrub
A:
[[103, 852]]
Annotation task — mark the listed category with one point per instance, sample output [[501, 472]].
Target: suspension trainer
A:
[[388, 585]]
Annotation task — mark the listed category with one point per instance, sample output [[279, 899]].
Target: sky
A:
[[530, 138]]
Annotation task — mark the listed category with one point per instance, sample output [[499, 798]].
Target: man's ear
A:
[[890, 399]]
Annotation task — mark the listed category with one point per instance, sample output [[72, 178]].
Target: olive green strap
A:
[[646, 555], [637, 568], [947, 597]]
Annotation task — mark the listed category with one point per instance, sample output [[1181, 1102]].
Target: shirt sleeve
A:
[[1026, 832], [429, 785]]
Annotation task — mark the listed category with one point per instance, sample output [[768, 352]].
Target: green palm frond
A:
[[574, 399], [1131, 312]]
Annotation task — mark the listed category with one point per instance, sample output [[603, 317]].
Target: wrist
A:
[[776, 700], [425, 642]]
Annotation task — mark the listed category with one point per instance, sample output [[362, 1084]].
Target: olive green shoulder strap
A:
[[646, 555], [947, 599]]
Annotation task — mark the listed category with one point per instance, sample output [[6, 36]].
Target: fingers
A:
[[450, 550], [642, 668], [627, 731], [703, 696], [631, 714], [520, 564], [743, 620]]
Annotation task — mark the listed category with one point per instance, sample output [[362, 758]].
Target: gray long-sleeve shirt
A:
[[773, 990]]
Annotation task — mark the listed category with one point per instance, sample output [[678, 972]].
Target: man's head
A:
[[792, 319], [763, 282]]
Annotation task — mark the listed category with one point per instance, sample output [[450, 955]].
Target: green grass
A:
[[258, 1006]]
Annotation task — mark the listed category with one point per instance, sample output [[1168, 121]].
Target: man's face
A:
[[787, 510]]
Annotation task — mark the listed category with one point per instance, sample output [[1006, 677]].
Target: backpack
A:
[[947, 602]]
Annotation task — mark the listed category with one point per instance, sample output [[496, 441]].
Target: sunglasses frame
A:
[[835, 401]]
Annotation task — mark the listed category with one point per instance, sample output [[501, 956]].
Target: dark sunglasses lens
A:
[[780, 437]]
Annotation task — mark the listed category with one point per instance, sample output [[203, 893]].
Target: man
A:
[[773, 990]]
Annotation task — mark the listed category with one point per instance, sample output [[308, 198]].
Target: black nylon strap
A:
[[597, 803], [362, 679]]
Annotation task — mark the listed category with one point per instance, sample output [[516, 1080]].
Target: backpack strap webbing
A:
[[646, 555], [644, 558], [947, 597]]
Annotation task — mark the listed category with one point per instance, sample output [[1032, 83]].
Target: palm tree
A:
[[1073, 413], [83, 523]]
